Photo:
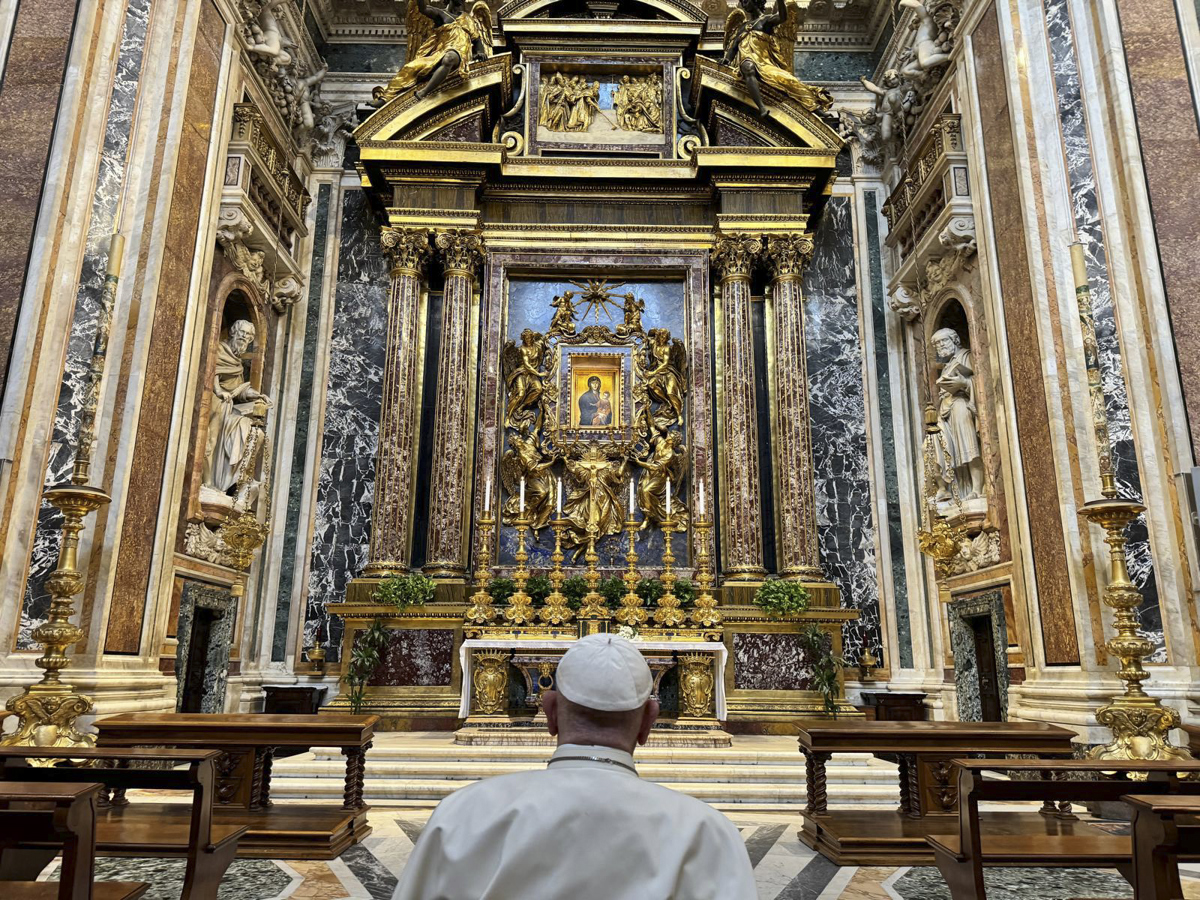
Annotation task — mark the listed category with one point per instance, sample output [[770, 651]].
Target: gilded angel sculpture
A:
[[761, 46], [665, 458], [524, 378], [665, 375], [524, 458], [460, 36]]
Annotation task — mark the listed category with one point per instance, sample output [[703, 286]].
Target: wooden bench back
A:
[[191, 770], [973, 788]]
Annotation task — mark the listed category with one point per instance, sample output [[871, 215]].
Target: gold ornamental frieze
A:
[[599, 406]]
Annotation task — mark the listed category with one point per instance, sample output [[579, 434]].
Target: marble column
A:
[[741, 530], [795, 506], [400, 409], [446, 556]]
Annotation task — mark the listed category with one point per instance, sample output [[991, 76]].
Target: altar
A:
[[485, 691], [595, 410]]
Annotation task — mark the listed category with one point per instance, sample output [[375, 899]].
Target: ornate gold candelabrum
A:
[[556, 611], [481, 611], [705, 613], [668, 614], [631, 612], [520, 607], [1140, 724], [594, 608], [47, 710]]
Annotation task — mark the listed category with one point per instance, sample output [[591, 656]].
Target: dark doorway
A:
[[203, 622], [985, 665]]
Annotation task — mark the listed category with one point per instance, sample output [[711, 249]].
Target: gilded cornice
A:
[[461, 250], [788, 255], [734, 254], [407, 248]]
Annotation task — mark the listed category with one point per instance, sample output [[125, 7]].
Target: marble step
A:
[[653, 769], [760, 794]]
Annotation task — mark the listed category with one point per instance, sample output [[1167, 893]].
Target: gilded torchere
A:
[[668, 614], [1140, 724], [395, 462], [787, 256], [520, 607], [47, 710], [631, 612], [481, 611], [556, 611], [734, 256], [704, 613], [462, 253]]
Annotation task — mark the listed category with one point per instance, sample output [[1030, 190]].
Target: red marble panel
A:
[[1025, 346], [30, 88]]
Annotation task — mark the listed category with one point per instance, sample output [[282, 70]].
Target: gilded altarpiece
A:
[[598, 247]]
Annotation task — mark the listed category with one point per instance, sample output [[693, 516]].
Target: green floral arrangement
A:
[[686, 592], [501, 589], [364, 660], [405, 590], [781, 598], [649, 589], [538, 587], [612, 590], [818, 650], [574, 589]]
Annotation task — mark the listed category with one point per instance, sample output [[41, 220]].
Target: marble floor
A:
[[785, 870]]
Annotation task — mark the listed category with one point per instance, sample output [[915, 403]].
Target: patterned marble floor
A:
[[785, 870]]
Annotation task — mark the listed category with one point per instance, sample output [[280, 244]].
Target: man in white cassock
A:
[[587, 827]]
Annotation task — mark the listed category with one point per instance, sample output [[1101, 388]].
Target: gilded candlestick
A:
[[520, 607], [593, 602], [668, 614], [556, 611], [481, 611], [631, 612], [705, 613]]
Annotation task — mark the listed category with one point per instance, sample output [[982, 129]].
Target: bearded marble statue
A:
[[962, 463], [237, 408]]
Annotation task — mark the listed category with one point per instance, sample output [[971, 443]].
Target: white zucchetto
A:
[[604, 672]]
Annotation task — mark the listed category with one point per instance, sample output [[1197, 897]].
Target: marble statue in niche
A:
[[238, 409], [761, 45], [460, 37], [961, 458]]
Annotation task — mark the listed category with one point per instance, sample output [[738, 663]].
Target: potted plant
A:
[[818, 650], [538, 587], [778, 598], [501, 588], [364, 660], [574, 589], [402, 591]]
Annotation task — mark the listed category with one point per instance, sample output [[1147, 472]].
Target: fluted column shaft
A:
[[462, 253], [741, 512], [399, 415], [795, 506]]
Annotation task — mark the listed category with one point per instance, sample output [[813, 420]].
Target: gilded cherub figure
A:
[[524, 378], [761, 46], [929, 45], [524, 458], [666, 457], [634, 308], [563, 321], [460, 36]]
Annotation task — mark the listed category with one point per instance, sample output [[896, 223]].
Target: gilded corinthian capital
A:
[[734, 254], [788, 254], [407, 248], [462, 251]]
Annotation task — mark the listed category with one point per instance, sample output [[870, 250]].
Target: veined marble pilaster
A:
[[796, 511], [741, 529], [462, 254], [395, 466]]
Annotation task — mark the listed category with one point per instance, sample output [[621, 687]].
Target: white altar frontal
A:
[[504, 680]]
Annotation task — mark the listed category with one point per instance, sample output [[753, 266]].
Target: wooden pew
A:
[[1018, 839], [249, 744], [172, 830], [63, 814], [1165, 827]]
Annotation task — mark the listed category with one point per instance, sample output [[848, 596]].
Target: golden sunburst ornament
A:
[[597, 296]]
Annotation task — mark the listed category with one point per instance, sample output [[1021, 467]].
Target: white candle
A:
[[522, 496], [487, 496], [702, 499], [560, 498], [631, 504], [668, 498]]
